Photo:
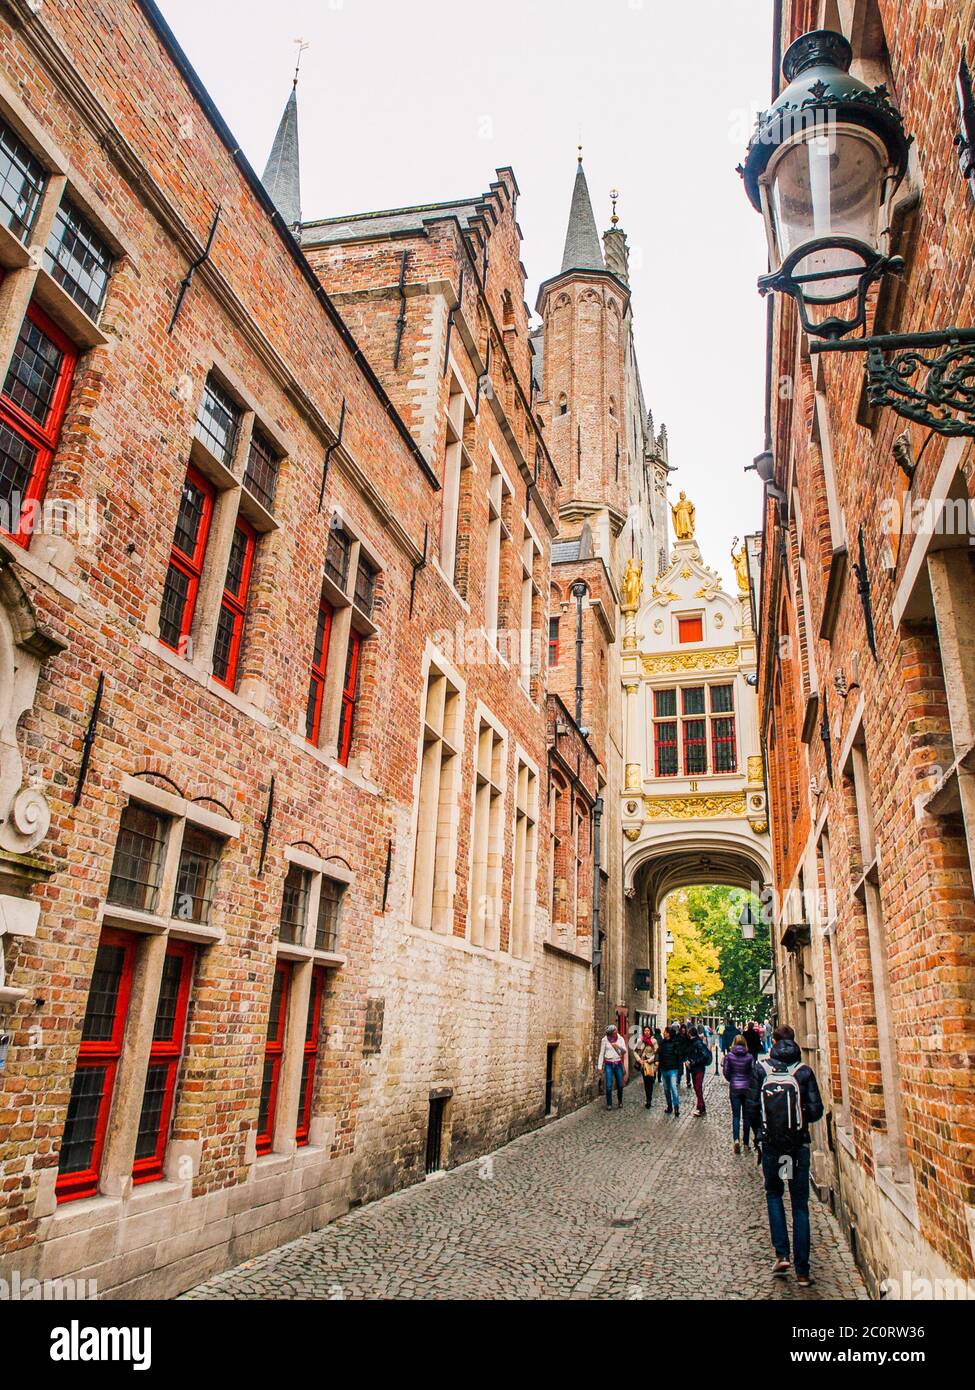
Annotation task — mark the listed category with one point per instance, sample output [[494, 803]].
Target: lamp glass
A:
[[827, 182]]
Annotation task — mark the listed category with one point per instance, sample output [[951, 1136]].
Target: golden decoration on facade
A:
[[702, 807], [666, 663], [683, 512], [760, 827], [662, 595], [632, 585], [740, 561], [632, 832], [754, 768]]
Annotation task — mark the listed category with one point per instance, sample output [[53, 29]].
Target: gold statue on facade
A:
[[632, 584], [683, 511], [740, 561]]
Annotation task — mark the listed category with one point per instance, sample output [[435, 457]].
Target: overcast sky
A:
[[403, 103]]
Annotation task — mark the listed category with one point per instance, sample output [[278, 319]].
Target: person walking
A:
[[645, 1055], [669, 1067], [728, 1034], [783, 1101], [613, 1063], [753, 1040], [739, 1069], [683, 1045], [698, 1061]]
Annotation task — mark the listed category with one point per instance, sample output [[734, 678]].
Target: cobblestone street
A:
[[596, 1205]]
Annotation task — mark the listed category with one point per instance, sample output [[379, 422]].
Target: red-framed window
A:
[[316, 682], [32, 405], [350, 694], [690, 629], [665, 733], [186, 560], [168, 1032], [273, 1056], [233, 605], [310, 1058], [723, 745], [665, 748], [553, 642], [102, 1034]]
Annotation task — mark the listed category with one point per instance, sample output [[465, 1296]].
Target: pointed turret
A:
[[582, 249], [282, 177], [615, 249]]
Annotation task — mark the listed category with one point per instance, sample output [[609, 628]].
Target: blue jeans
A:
[[671, 1093], [614, 1076], [739, 1112], [775, 1168]]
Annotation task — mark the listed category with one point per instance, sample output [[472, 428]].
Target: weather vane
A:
[[302, 45], [614, 193]]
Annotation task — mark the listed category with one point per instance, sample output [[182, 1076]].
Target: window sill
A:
[[461, 943], [152, 924], [564, 953], [290, 950], [212, 467], [846, 1139], [350, 774], [66, 313], [900, 1194], [209, 682], [13, 253], [39, 569], [257, 514], [435, 564]]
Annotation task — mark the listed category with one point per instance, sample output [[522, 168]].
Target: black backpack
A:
[[780, 1098]]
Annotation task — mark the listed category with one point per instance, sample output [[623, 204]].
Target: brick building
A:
[[866, 607], [304, 824]]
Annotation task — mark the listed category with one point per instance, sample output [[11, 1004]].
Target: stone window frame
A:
[[827, 918], [459, 413], [27, 284], [152, 933], [708, 716], [434, 860], [530, 605], [348, 624], [303, 962], [500, 500], [233, 509], [890, 1152], [489, 775], [526, 811], [22, 262]]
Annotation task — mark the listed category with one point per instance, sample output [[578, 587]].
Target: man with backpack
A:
[[783, 1102], [698, 1061]]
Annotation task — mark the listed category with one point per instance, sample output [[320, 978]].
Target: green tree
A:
[[693, 980], [714, 911]]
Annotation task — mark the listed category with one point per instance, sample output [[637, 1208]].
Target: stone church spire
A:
[[281, 177], [582, 249]]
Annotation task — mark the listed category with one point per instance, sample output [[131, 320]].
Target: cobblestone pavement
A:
[[596, 1205]]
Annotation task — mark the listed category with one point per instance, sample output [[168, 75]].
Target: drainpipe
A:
[[597, 816], [579, 593]]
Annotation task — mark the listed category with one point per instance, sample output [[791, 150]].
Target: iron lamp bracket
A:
[[925, 377]]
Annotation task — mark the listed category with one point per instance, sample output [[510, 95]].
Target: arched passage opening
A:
[[655, 871]]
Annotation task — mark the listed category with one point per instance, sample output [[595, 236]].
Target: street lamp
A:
[[822, 167], [747, 922]]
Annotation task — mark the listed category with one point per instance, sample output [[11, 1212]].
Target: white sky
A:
[[403, 103]]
